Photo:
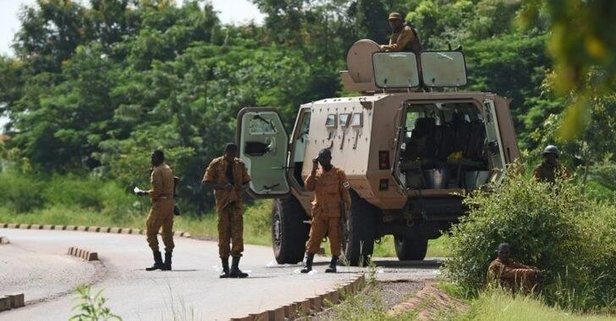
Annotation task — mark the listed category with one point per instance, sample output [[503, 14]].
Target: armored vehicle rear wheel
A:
[[359, 237], [410, 249], [289, 232]]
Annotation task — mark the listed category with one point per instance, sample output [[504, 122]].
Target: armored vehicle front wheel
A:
[[410, 249], [360, 231], [289, 232]]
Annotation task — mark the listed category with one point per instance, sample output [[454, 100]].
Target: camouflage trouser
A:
[[230, 230], [322, 225], [161, 215]]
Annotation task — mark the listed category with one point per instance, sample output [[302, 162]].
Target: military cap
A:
[[394, 16]]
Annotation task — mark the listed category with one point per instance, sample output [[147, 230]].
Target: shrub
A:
[[553, 227], [20, 193], [73, 191]]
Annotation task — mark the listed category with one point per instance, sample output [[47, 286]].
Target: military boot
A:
[[225, 268], [167, 264], [308, 265], [235, 270], [158, 262], [332, 265]]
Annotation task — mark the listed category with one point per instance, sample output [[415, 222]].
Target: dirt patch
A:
[[429, 304], [380, 296]]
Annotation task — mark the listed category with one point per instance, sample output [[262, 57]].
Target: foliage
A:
[[553, 227], [94, 88], [91, 201], [92, 308], [24, 193], [498, 305], [19, 193], [583, 48]]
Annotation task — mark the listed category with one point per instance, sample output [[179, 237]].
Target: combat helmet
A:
[[551, 149]]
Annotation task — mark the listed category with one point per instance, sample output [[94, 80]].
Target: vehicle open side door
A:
[[494, 143], [263, 146]]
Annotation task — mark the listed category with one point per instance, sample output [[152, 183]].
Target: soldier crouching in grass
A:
[[161, 213], [512, 275], [331, 191], [228, 176]]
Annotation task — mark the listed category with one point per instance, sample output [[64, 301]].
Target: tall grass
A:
[[73, 200], [497, 305]]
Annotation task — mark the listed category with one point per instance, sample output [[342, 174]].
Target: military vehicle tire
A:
[[410, 249], [289, 232], [359, 239]]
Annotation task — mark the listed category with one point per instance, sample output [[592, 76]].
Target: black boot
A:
[[158, 262], [225, 268], [308, 265], [332, 265], [167, 264], [235, 270]]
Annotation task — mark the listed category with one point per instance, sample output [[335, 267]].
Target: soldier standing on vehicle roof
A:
[[548, 170], [229, 177], [403, 37], [331, 192], [161, 213]]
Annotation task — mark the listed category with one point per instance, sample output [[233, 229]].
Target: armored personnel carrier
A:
[[412, 145]]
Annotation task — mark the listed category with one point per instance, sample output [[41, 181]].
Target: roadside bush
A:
[[20, 193], [553, 227], [73, 191]]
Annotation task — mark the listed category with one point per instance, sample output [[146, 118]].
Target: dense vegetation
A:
[[554, 227], [93, 88]]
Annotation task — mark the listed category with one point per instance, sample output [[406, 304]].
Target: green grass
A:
[[257, 223], [496, 305], [436, 247], [256, 220]]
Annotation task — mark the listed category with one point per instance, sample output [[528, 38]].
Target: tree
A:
[[583, 47]]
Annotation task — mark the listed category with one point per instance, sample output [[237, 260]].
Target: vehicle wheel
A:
[[360, 231], [289, 232], [410, 249]]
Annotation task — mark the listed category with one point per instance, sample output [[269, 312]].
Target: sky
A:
[[230, 11]]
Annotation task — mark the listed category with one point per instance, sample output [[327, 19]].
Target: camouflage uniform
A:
[[405, 39], [161, 213], [228, 204], [515, 276], [331, 188], [547, 173]]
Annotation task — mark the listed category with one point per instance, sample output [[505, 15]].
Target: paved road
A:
[[35, 264]]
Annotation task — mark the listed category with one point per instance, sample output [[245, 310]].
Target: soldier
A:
[[550, 167], [228, 176], [403, 37], [331, 196], [161, 213], [512, 275]]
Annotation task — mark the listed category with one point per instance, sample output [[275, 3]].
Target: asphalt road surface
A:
[[35, 263]]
